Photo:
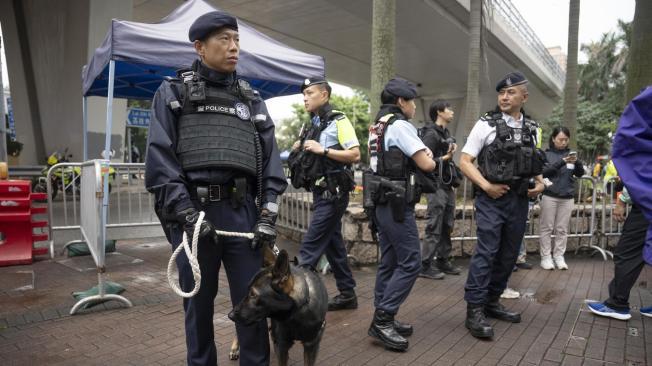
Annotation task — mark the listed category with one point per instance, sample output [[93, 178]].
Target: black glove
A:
[[265, 232], [188, 218]]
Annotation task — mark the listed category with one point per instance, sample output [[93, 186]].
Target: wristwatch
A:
[[325, 151]]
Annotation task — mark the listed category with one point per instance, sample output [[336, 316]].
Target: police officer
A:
[[436, 246], [504, 142], [330, 146], [211, 148], [396, 152]]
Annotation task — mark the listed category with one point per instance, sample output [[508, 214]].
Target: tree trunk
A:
[[639, 67], [472, 110], [382, 49], [570, 89]]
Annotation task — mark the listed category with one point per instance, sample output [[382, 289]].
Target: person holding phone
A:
[[562, 167]]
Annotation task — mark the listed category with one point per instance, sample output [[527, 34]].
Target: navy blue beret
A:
[[313, 81], [401, 88], [209, 22], [511, 79]]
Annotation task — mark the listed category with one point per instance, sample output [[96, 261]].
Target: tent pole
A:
[[85, 128], [107, 156], [109, 110]]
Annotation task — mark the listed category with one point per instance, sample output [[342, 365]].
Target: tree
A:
[[383, 37], [570, 87], [595, 121], [473, 66], [639, 67], [356, 108]]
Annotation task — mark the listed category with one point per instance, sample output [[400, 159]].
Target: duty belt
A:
[[220, 192]]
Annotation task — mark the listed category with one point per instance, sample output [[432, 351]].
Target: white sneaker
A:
[[560, 263], [546, 262], [511, 294]]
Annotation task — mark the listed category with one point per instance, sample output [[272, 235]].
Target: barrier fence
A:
[[591, 222], [130, 205]]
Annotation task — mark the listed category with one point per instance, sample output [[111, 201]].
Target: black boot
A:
[[432, 273], [382, 328], [477, 323], [345, 300], [447, 267], [403, 329], [494, 309]]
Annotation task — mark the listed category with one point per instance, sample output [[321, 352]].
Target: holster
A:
[[239, 192], [394, 195]]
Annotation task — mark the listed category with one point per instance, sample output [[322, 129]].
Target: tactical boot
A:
[[431, 273], [403, 329], [345, 300], [447, 267], [476, 322], [382, 328], [494, 309]]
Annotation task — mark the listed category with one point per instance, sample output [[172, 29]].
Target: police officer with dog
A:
[[504, 143], [390, 193], [211, 148], [321, 163]]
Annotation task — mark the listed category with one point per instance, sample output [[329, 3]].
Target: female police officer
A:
[[504, 141], [396, 151], [211, 147]]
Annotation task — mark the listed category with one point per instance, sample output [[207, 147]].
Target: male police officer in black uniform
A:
[[324, 156], [211, 148], [436, 246], [396, 153], [504, 142]]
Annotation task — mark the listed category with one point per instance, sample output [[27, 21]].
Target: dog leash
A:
[[191, 253]]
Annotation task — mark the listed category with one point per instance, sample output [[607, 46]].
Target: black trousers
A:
[[325, 236], [501, 226], [628, 259], [240, 264]]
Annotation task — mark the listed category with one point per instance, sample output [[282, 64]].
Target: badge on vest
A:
[[242, 111]]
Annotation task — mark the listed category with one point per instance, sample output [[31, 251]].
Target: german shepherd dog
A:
[[295, 299], [269, 258]]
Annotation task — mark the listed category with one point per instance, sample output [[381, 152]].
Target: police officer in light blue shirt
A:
[[396, 153], [504, 143]]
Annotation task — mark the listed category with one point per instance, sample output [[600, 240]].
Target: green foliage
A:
[[595, 123], [601, 94], [356, 108]]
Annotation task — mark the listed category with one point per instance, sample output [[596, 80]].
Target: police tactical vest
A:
[[392, 164], [217, 132], [512, 155]]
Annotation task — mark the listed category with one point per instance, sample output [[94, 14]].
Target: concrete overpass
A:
[[431, 50]]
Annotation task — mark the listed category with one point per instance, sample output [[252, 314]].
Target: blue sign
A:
[[12, 125], [138, 117]]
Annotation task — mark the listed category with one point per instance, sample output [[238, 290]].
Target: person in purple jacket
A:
[[632, 155]]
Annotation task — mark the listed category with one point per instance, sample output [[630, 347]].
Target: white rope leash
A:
[[192, 256]]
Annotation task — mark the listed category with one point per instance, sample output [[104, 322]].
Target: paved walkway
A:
[[35, 328]]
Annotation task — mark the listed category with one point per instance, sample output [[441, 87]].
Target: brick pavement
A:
[[35, 328]]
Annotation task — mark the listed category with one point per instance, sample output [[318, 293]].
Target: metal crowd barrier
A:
[[127, 206], [93, 228]]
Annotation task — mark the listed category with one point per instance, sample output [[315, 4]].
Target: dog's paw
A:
[[234, 354]]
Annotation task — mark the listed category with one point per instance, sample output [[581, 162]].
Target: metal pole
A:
[[3, 123], [107, 152], [85, 128]]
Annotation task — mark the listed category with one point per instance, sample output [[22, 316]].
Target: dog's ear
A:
[[281, 278]]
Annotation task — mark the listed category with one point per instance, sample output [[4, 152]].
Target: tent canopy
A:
[[145, 54]]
